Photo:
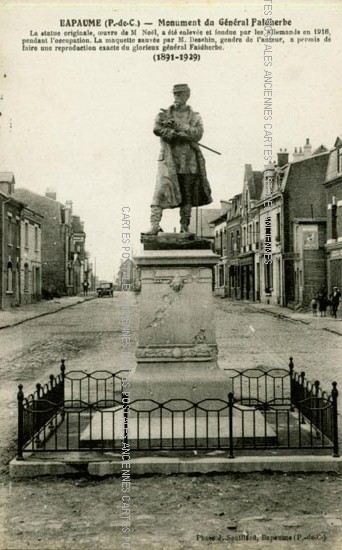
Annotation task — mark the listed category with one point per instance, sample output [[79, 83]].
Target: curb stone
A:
[[44, 313], [31, 468]]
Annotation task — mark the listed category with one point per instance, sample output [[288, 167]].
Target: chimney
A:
[[307, 148], [68, 204], [7, 182], [68, 212], [283, 158], [298, 155], [51, 194]]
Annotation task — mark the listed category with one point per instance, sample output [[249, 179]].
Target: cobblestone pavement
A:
[[167, 513], [252, 334], [18, 315]]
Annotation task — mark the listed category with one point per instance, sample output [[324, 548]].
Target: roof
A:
[[253, 180], [7, 177], [316, 165], [206, 216], [320, 149], [257, 184], [220, 218], [11, 198], [338, 142], [46, 207]]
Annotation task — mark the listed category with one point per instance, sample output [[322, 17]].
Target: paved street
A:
[[88, 335], [250, 335]]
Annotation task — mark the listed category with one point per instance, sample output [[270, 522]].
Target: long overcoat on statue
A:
[[167, 192]]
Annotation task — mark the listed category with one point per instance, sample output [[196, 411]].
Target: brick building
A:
[[128, 277], [333, 191], [10, 212], [234, 247], [77, 265], [304, 225], [62, 246], [30, 270], [271, 240], [221, 249], [250, 231]]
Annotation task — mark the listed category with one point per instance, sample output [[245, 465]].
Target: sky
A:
[[81, 123]]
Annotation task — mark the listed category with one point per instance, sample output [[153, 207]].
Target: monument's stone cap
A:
[[174, 241], [176, 258]]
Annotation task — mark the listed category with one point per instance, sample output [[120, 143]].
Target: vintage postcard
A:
[[170, 206]]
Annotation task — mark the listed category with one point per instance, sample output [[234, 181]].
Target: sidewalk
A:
[[325, 323], [18, 315]]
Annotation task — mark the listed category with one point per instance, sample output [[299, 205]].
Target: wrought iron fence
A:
[[258, 384], [41, 413], [274, 409], [316, 407]]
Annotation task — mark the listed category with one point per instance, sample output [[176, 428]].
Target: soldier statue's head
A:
[[181, 94]]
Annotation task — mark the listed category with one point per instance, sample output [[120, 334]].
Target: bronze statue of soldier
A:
[[181, 178]]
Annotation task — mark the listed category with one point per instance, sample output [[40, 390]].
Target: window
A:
[[221, 275], [268, 277], [9, 231], [232, 241], [334, 221], [36, 238], [26, 278], [257, 232], [238, 243], [339, 159], [26, 234], [18, 233], [9, 287], [278, 227]]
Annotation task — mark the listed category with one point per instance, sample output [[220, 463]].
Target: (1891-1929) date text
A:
[[173, 57]]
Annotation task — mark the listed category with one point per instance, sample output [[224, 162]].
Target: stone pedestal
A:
[[177, 350]]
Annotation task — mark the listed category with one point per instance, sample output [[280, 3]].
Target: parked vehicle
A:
[[105, 289]]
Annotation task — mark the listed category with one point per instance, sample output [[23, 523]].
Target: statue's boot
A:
[[185, 216], [156, 216]]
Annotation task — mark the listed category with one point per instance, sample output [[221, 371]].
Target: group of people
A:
[[323, 300]]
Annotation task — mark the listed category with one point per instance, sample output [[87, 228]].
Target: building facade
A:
[[272, 239], [333, 191], [250, 234], [304, 213], [62, 244], [234, 247], [31, 268], [10, 212]]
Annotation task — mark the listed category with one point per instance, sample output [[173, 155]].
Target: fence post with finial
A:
[[20, 397], [334, 396]]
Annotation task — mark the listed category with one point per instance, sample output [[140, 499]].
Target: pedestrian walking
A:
[[314, 305], [322, 304], [85, 288], [335, 301]]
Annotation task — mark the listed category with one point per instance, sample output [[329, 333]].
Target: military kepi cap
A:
[[181, 88]]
